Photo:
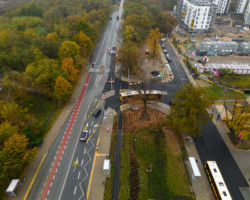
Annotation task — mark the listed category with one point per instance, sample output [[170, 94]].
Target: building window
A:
[[205, 14], [202, 22], [199, 9], [206, 9], [198, 14], [207, 22], [206, 26], [201, 26], [197, 18], [203, 18], [196, 22], [195, 26]]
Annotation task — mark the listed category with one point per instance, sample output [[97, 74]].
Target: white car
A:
[[163, 39]]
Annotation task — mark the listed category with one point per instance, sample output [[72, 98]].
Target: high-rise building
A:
[[247, 14], [222, 6], [196, 15], [241, 6]]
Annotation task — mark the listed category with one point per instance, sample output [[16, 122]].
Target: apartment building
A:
[[196, 16], [222, 6], [247, 14], [241, 6]]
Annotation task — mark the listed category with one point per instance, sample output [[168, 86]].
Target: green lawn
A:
[[237, 81], [218, 93], [167, 179]]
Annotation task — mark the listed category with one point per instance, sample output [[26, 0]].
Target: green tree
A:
[[63, 89], [130, 34], [14, 157], [129, 56], [188, 110]]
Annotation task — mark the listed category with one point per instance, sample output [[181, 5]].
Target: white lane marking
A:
[[89, 132], [84, 151], [73, 153], [84, 167], [79, 175], [82, 162], [87, 124], [92, 123], [75, 190]]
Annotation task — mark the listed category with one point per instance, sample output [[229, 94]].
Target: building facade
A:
[[241, 6], [219, 47], [196, 16], [222, 6], [247, 14]]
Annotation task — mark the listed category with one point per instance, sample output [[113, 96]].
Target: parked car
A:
[[163, 45], [168, 58], [163, 39], [165, 51], [84, 135]]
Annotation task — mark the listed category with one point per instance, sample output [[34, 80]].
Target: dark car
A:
[[200, 61], [84, 135], [97, 112], [165, 51], [113, 50]]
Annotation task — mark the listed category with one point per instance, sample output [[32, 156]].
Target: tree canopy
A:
[[188, 110]]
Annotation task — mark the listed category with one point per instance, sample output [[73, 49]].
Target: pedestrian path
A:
[[97, 69]]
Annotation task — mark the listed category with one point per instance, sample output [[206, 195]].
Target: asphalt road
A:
[[210, 145], [66, 170]]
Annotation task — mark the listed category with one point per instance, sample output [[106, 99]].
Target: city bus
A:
[[216, 181]]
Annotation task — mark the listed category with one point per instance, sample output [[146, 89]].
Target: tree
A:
[[239, 118], [69, 49], [16, 115], [129, 56], [188, 110], [6, 131], [153, 40], [130, 34], [68, 67], [84, 42], [63, 89], [14, 157], [43, 74]]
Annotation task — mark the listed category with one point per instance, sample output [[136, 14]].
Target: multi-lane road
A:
[[66, 170]]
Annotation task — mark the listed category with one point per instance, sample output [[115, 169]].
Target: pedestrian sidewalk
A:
[[97, 184]]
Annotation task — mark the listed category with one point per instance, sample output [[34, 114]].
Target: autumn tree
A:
[[153, 40], [14, 157], [63, 89], [84, 42], [68, 67], [188, 110], [43, 74], [238, 118], [129, 34], [68, 49], [6, 131], [129, 56], [15, 115]]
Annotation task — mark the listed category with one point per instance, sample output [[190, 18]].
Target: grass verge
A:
[[217, 93], [167, 180]]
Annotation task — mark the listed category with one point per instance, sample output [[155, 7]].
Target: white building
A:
[[196, 15], [241, 5], [247, 14], [222, 6]]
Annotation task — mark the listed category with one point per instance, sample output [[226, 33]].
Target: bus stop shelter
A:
[[195, 169], [12, 186]]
